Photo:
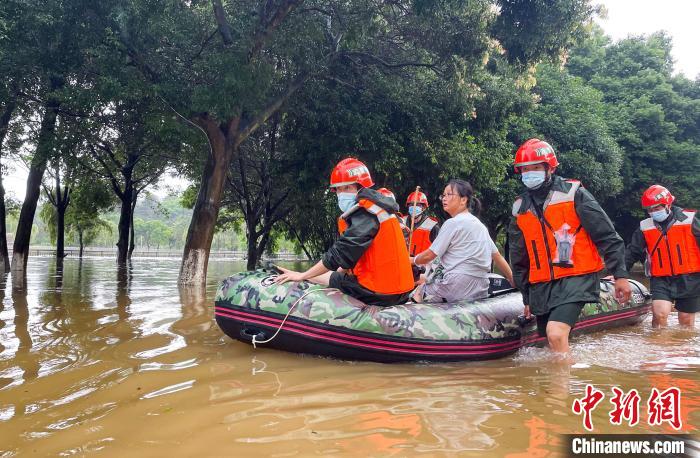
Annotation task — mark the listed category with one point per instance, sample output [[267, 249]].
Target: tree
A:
[[420, 129], [652, 115], [130, 148], [257, 186], [229, 68], [89, 199], [59, 198], [45, 42], [572, 117]]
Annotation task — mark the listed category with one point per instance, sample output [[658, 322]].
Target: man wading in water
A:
[[556, 233]]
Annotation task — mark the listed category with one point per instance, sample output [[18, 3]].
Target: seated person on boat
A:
[[370, 260], [464, 248]]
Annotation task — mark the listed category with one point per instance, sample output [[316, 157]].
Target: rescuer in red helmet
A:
[[668, 242], [369, 261], [425, 227], [556, 234]]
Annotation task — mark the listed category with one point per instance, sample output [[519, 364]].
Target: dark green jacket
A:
[[362, 228], [671, 287], [542, 297]]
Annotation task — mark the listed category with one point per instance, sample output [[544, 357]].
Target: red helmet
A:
[[349, 171], [386, 192], [657, 195], [535, 151], [420, 198]]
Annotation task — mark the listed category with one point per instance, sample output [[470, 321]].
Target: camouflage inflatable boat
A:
[[327, 322]]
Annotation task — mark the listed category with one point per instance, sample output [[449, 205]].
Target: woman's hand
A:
[[526, 312], [288, 275]]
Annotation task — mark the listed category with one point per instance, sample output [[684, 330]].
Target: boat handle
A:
[[249, 333], [524, 321]]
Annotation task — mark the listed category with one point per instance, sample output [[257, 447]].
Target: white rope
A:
[[255, 341]]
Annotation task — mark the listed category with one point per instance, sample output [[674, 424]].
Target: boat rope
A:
[[291, 309]]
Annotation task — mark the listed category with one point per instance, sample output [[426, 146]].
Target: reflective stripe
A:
[[674, 253], [689, 216], [350, 211], [428, 224], [541, 246], [520, 164], [647, 224], [558, 197], [381, 214], [516, 206], [344, 183], [373, 209], [385, 268]]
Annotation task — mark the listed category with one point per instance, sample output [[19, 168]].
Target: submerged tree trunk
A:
[[60, 231], [224, 141], [4, 256], [60, 200], [253, 254], [206, 209], [20, 249], [80, 242], [124, 225], [132, 231], [5, 117]]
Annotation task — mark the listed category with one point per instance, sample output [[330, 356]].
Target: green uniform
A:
[[362, 228], [683, 289], [546, 296]]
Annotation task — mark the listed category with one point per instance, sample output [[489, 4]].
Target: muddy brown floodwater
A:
[[101, 362]]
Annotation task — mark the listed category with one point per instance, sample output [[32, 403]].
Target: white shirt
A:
[[464, 246]]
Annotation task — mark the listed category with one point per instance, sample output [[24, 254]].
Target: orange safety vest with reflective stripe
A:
[[384, 267], [674, 253], [541, 244], [421, 234]]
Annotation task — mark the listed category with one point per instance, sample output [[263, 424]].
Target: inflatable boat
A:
[[306, 318]]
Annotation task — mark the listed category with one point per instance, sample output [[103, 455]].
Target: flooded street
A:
[[97, 361]]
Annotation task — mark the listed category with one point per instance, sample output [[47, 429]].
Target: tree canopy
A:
[[255, 101]]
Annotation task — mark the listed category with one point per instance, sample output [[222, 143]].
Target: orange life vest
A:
[[541, 244], [421, 234], [674, 253], [384, 267]]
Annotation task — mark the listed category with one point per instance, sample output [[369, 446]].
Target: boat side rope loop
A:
[[291, 309]]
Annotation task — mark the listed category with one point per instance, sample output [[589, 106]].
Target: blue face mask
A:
[[660, 215], [346, 200], [415, 210], [534, 180]]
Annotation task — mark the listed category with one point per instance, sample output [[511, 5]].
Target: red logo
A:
[[662, 407], [665, 407], [587, 404], [626, 407]]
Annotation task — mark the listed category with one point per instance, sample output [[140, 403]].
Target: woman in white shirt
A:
[[464, 250]]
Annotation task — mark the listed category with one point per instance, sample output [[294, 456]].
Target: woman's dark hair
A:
[[464, 189]]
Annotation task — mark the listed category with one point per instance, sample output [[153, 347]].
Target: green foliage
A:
[[530, 30], [189, 197], [572, 117], [652, 115]]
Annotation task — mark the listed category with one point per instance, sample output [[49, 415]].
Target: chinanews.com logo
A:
[[663, 408]]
